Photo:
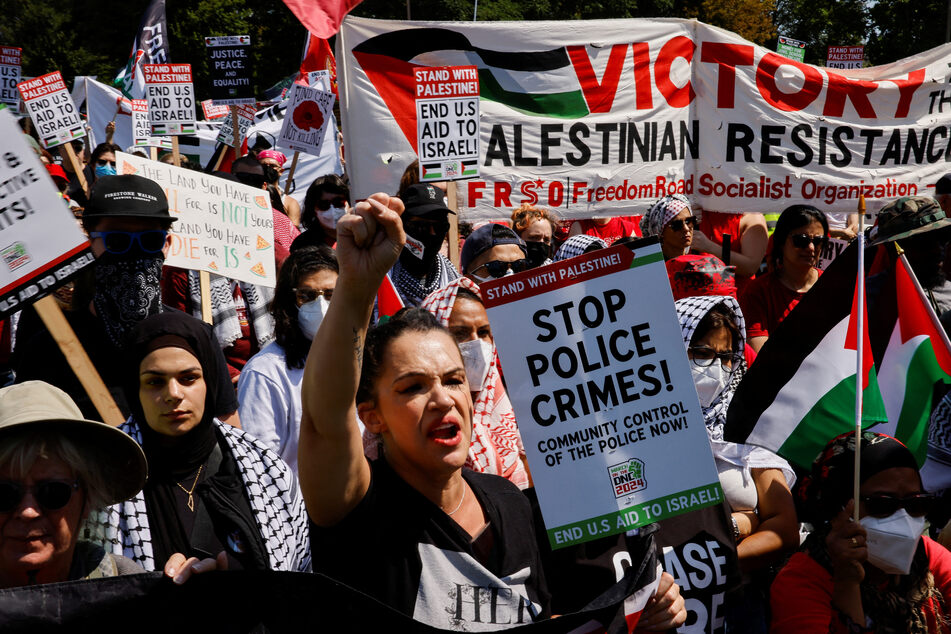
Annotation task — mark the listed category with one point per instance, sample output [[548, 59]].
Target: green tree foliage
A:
[[901, 28], [823, 23]]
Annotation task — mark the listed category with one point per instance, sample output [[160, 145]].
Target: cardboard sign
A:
[[229, 63], [447, 122], [171, 97], [605, 401], [212, 111], [222, 227], [9, 74], [793, 49], [141, 130], [309, 111], [51, 108], [834, 246], [845, 57], [245, 119], [41, 246]]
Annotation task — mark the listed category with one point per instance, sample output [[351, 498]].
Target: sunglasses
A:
[[917, 505], [704, 356], [498, 268], [677, 225], [104, 162], [307, 295], [51, 495], [248, 178], [801, 240], [119, 242], [324, 205]]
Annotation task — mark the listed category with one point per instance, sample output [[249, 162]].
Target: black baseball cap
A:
[[127, 196], [423, 199], [486, 237]]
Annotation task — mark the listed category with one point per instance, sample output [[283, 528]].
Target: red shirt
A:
[[714, 224], [765, 302], [616, 228]]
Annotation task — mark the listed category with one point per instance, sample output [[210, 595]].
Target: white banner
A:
[[595, 118], [603, 393], [222, 227]]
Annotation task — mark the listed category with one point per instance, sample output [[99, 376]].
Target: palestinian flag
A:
[[387, 299], [800, 391], [916, 358]]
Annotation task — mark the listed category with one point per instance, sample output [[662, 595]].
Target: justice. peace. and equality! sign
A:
[[41, 245], [51, 109], [229, 59], [602, 117], [603, 393], [221, 226], [447, 121], [171, 98]]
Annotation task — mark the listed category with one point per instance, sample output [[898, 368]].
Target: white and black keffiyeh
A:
[[274, 496], [576, 245], [224, 314], [662, 212], [412, 291]]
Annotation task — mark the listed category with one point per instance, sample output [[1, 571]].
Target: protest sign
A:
[[222, 227], [51, 108], [40, 243], [9, 74], [605, 129], [245, 119], [833, 247], [845, 57], [603, 393], [305, 123], [447, 121], [229, 59], [793, 49], [171, 97], [212, 111], [319, 79]]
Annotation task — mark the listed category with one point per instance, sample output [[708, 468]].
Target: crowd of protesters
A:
[[303, 430]]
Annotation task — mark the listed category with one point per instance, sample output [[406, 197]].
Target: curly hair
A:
[[298, 265], [525, 215]]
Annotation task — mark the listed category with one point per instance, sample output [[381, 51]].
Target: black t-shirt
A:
[[403, 550]]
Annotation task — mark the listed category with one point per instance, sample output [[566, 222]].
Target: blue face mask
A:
[[105, 170]]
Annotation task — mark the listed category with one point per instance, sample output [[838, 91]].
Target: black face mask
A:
[[127, 290], [538, 252], [421, 249]]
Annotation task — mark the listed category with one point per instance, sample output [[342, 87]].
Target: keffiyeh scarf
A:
[[576, 245], [224, 314], [412, 290], [662, 212]]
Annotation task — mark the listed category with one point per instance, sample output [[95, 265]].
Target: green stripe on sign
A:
[[430, 176], [647, 259], [565, 105], [635, 516]]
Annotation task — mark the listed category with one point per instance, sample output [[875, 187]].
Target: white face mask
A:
[[477, 356], [893, 540], [710, 381], [479, 279], [330, 217], [310, 315]]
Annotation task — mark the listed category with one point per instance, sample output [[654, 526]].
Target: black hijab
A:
[[223, 515]]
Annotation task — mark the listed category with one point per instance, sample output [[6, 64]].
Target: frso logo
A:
[[627, 477]]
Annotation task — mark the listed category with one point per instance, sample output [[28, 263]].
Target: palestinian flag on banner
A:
[[388, 301], [917, 356], [800, 391]]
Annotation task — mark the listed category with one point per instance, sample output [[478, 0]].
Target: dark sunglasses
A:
[[677, 225], [498, 268], [801, 240], [307, 295], [324, 205], [51, 495], [425, 228], [917, 505], [249, 178], [119, 242], [704, 356], [104, 162]]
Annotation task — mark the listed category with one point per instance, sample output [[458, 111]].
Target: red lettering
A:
[[906, 90], [676, 96], [644, 99], [475, 192], [728, 57], [502, 192], [598, 95], [789, 102], [855, 90], [577, 189]]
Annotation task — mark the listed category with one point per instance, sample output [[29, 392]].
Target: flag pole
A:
[[859, 361]]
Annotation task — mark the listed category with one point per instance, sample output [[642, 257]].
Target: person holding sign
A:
[[875, 575]]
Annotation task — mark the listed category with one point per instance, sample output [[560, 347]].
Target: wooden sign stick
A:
[[52, 316], [66, 151], [176, 156], [453, 225], [236, 131], [290, 172]]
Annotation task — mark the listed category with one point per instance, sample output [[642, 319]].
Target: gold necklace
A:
[[191, 499]]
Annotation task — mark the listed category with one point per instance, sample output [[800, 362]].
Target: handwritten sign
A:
[[603, 393], [222, 227], [9, 74], [309, 112], [447, 122], [52, 110], [171, 97], [229, 59], [41, 246], [245, 119]]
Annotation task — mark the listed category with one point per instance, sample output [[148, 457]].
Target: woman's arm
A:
[[778, 530], [754, 240], [334, 474]]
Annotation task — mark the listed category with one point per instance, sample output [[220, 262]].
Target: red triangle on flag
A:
[[395, 83], [915, 317], [388, 301]]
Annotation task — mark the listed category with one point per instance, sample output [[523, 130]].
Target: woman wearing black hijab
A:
[[212, 488]]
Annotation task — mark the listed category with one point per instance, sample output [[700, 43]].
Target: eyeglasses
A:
[[917, 505], [498, 268], [704, 356], [104, 162], [119, 242], [677, 225], [51, 495], [250, 178], [801, 240], [307, 295], [324, 205], [425, 227]]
